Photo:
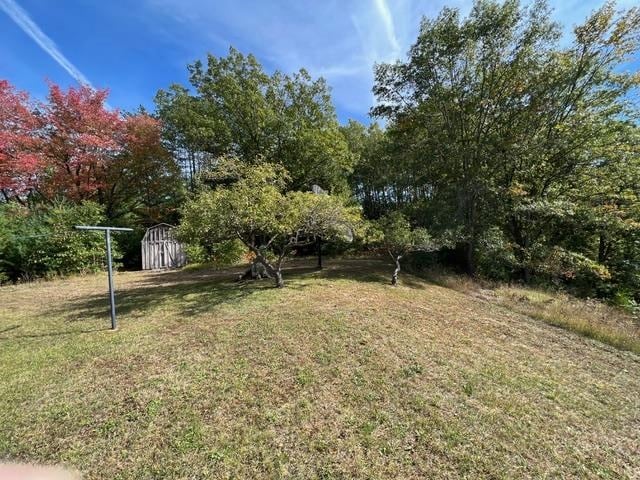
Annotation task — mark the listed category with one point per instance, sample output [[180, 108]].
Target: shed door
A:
[[164, 255]]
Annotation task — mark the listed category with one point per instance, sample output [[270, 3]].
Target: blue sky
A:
[[136, 47]]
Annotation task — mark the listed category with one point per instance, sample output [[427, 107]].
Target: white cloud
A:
[[387, 20], [288, 35], [24, 21], [333, 38]]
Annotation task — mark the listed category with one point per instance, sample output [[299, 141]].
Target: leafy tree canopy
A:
[[268, 220], [498, 128], [238, 110], [398, 238]]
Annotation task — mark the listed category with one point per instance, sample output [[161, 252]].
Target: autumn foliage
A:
[[20, 143], [82, 137], [66, 147]]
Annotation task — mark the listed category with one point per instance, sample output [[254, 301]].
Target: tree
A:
[[41, 241], [606, 199], [579, 117], [187, 131], [80, 138], [399, 239], [72, 149], [493, 124], [257, 211], [461, 76], [143, 179], [376, 186], [20, 161], [239, 110]]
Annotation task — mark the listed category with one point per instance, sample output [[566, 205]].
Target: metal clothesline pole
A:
[[318, 190], [107, 234]]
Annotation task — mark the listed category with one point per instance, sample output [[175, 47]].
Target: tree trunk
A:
[[319, 248], [273, 272], [469, 257], [255, 271], [270, 270], [467, 197], [526, 274], [602, 249], [521, 239], [394, 277], [279, 279]]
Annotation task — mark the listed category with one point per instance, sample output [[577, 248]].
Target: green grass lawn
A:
[[338, 375]]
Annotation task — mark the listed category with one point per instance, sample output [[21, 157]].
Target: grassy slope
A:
[[336, 376], [588, 317]]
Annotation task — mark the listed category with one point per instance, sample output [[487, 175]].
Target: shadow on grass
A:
[[53, 334], [184, 277], [8, 329], [200, 291], [188, 298], [371, 270]]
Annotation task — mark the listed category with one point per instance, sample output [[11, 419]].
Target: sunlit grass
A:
[[588, 317], [338, 375]]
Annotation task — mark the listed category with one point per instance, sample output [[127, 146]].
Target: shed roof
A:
[[155, 232], [160, 225]]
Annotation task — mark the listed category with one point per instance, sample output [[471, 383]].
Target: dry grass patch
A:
[[336, 376], [591, 318]]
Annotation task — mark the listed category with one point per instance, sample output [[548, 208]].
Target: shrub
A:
[[42, 242], [220, 254], [626, 301], [496, 258], [196, 253], [229, 253], [580, 273]]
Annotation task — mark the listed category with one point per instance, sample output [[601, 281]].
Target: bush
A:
[[129, 245], [196, 253], [229, 253], [626, 301], [496, 258], [42, 242], [581, 274], [217, 254]]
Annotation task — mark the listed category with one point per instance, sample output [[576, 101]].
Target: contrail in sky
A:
[[24, 21], [387, 19]]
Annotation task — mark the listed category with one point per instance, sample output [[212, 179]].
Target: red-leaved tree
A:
[[81, 137], [73, 147], [143, 178], [20, 143]]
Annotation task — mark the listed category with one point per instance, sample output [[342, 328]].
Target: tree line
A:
[[506, 146], [70, 160], [521, 142]]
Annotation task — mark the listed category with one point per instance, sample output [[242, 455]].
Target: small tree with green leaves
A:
[[398, 239], [271, 223], [42, 241]]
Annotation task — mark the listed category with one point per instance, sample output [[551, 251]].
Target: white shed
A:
[[161, 250]]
